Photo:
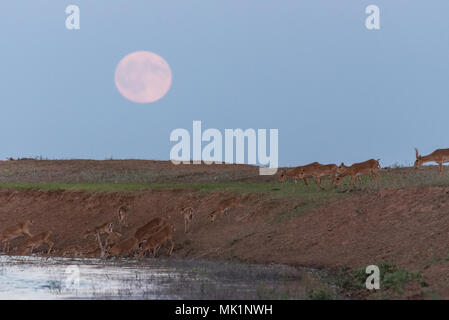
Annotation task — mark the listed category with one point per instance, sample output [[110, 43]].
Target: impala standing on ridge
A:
[[318, 172], [370, 167], [342, 168], [294, 172], [439, 156]]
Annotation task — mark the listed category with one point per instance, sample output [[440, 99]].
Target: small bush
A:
[[394, 278], [321, 295], [391, 277]]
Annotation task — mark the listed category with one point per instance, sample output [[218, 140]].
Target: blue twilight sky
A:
[[335, 90]]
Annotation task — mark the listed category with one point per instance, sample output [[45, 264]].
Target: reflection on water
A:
[[71, 278]]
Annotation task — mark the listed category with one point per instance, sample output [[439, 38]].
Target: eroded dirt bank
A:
[[406, 226]]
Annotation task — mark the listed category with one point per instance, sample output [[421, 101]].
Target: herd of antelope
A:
[[370, 167], [335, 173], [158, 231], [147, 238]]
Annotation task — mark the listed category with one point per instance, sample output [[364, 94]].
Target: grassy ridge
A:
[[306, 197], [396, 178], [239, 187], [128, 176]]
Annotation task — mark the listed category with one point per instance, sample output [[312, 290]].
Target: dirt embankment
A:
[[406, 226]]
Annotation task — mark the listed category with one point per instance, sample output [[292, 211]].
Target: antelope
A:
[[187, 213], [223, 207], [317, 172], [149, 228], [101, 229], [342, 168], [105, 228], [122, 216], [439, 156], [370, 167], [112, 239], [15, 231], [38, 240], [124, 247], [158, 239], [296, 171]]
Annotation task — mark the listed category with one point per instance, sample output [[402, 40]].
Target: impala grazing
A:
[[370, 167], [439, 156], [342, 168], [149, 228], [123, 248], [294, 173], [318, 172], [158, 239], [187, 213], [38, 240], [15, 231]]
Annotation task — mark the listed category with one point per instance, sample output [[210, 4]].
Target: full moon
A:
[[143, 77]]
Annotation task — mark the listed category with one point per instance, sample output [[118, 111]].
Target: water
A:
[[32, 277]]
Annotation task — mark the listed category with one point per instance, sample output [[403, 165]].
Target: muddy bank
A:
[[404, 226]]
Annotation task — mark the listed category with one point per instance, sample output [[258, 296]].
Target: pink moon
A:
[[143, 77]]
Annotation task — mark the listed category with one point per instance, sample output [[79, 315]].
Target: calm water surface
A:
[[71, 278]]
